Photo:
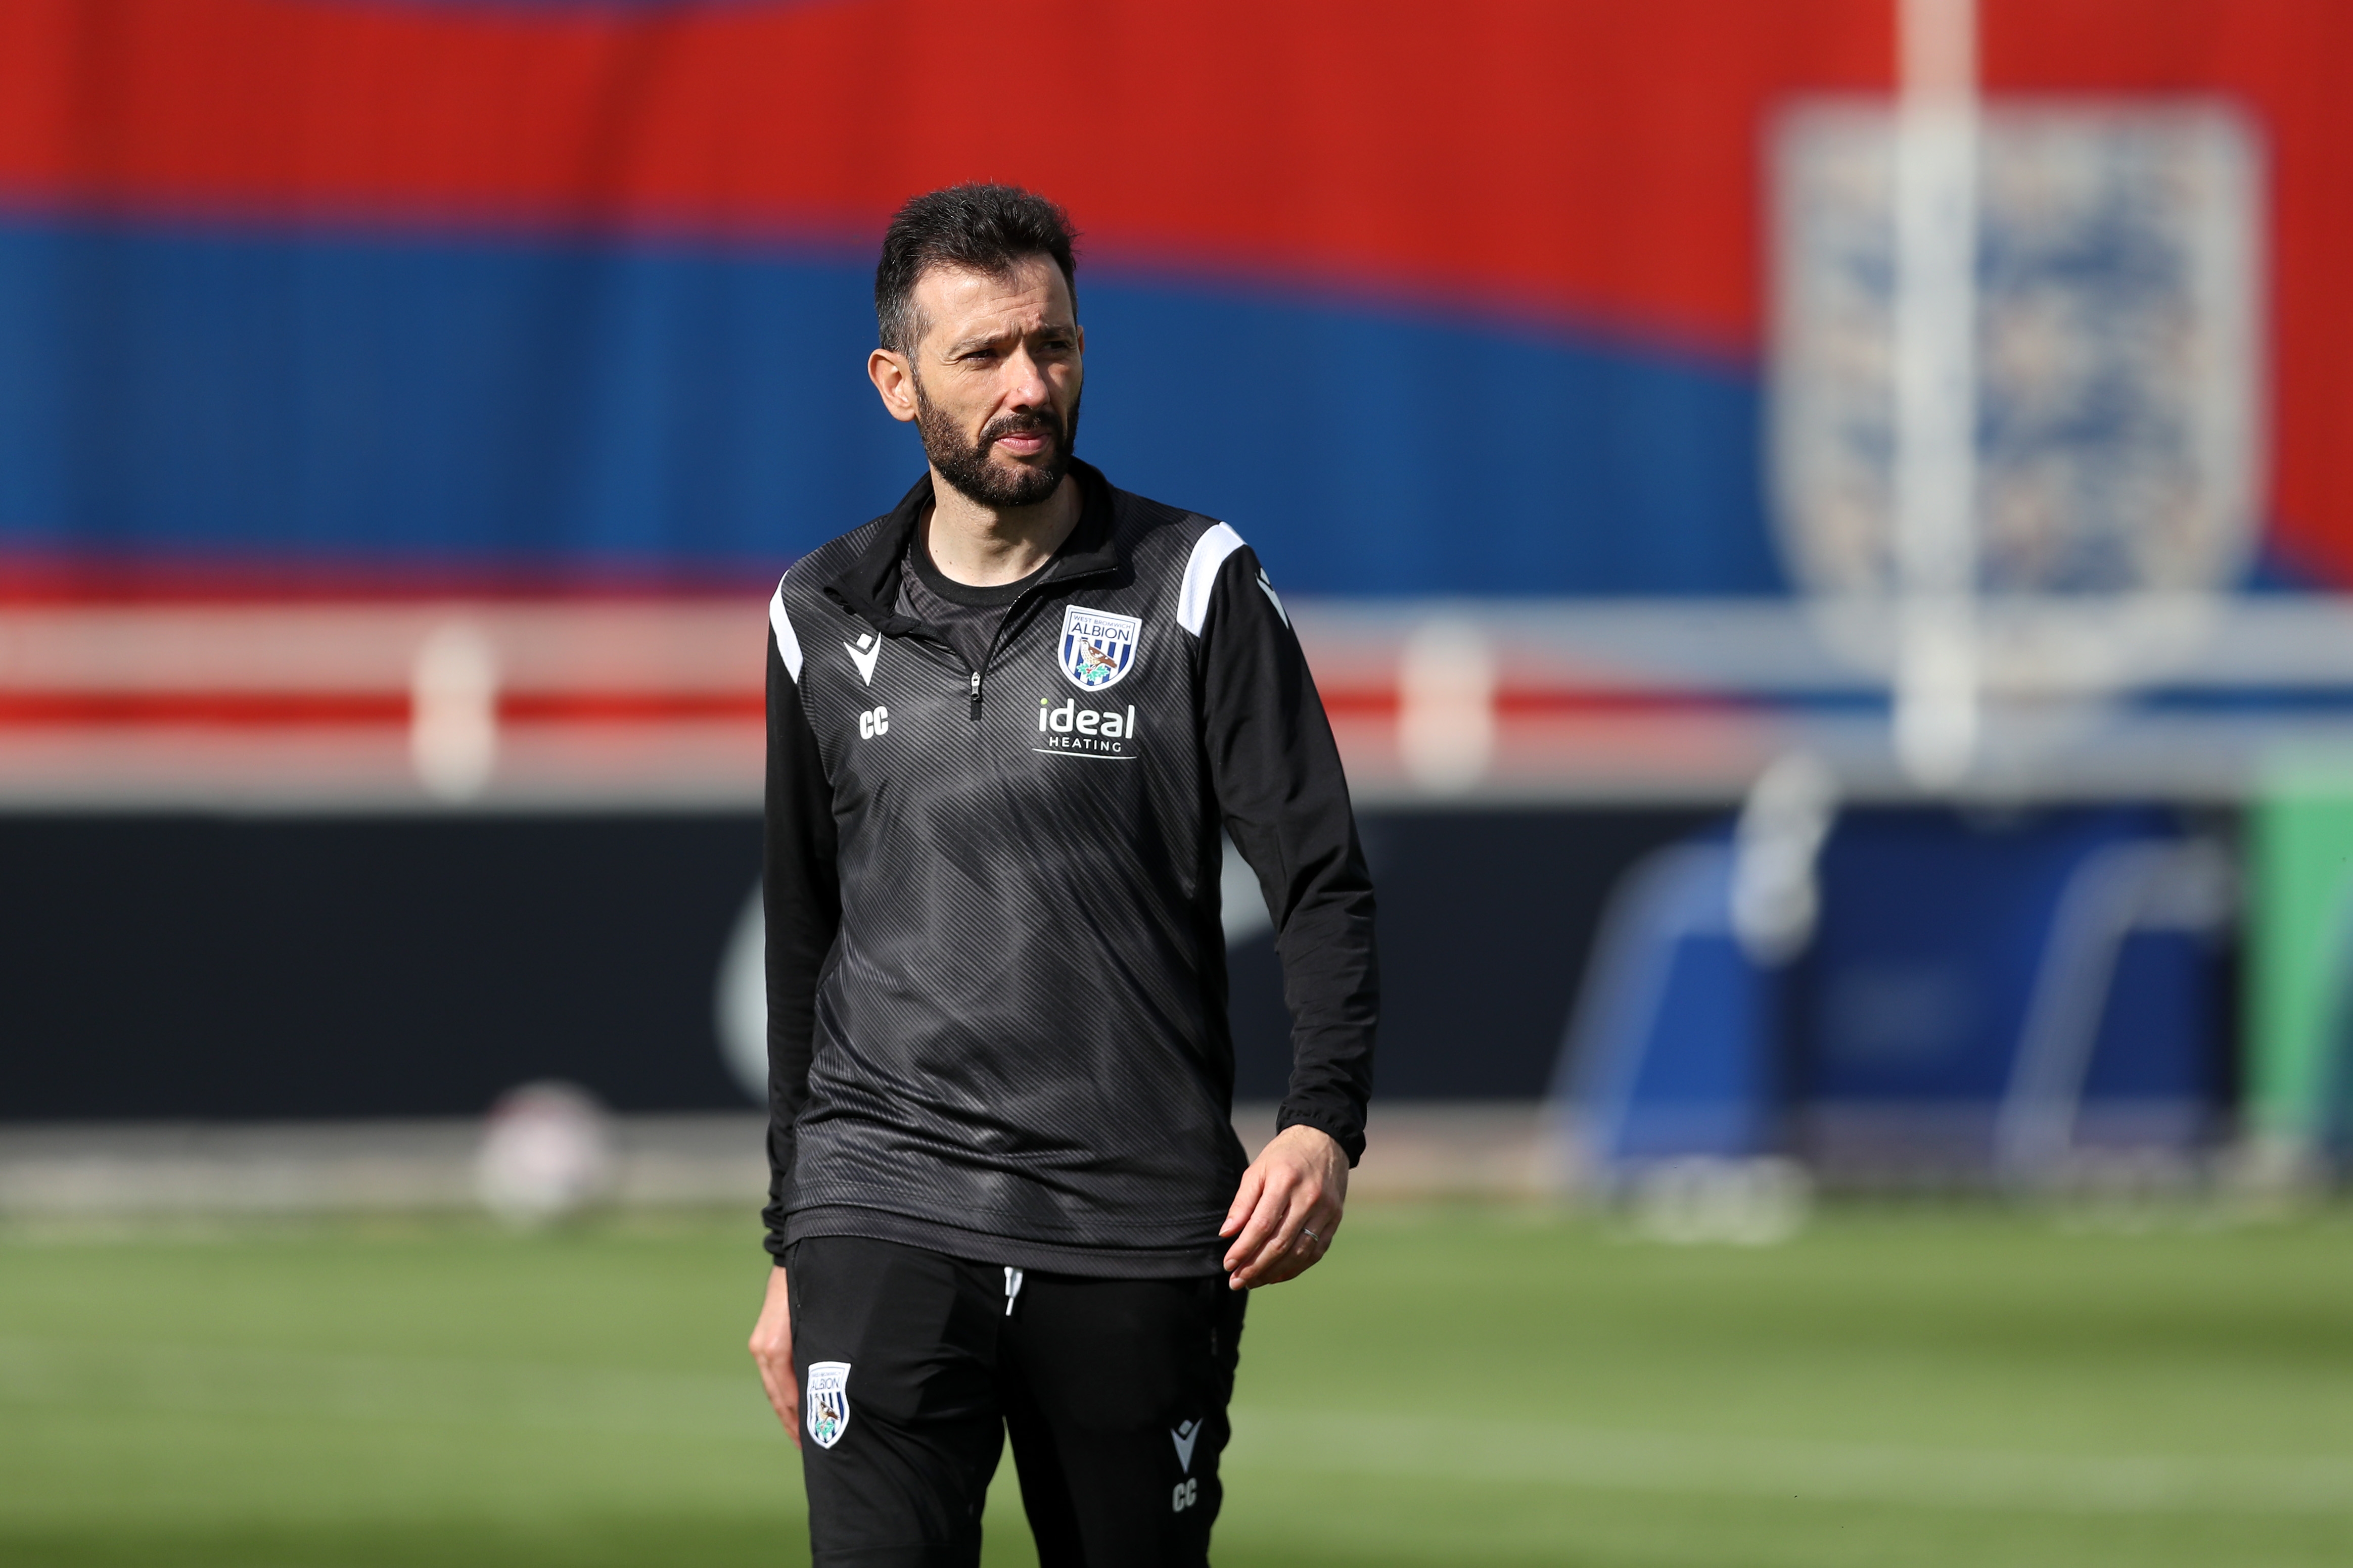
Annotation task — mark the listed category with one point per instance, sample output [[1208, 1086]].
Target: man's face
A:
[[997, 380]]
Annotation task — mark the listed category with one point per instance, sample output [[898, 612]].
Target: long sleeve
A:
[[802, 897], [1280, 787]]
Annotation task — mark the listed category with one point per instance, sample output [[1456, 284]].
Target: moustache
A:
[[1030, 424]]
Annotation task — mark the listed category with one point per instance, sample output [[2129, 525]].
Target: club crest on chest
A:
[[1097, 648]]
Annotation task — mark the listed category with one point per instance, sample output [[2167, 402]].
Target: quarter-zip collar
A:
[[869, 587]]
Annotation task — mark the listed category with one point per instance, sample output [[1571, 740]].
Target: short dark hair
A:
[[981, 229]]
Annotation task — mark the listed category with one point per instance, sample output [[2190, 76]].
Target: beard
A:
[[966, 466]]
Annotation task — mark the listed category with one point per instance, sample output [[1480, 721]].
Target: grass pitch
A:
[[1895, 1388]]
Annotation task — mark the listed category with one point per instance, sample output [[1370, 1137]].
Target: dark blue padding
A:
[[1898, 1037], [1675, 1047], [1936, 931], [2157, 1040], [1707, 1081]]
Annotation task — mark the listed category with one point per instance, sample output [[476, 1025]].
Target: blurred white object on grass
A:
[[546, 1153], [1703, 1199]]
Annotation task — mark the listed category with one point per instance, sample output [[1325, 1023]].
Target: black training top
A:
[[996, 982], [966, 615]]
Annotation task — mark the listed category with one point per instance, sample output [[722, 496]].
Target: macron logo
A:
[[1266, 586], [863, 653], [1185, 1436]]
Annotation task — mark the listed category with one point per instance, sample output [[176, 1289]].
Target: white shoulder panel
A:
[[1209, 553], [786, 643]]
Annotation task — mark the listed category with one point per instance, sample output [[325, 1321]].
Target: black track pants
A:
[[1114, 1391]]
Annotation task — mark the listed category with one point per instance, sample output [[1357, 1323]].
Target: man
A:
[[1006, 724]]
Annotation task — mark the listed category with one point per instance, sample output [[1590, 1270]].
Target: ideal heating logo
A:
[[1085, 731]]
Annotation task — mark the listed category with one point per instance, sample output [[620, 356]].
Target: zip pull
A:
[[975, 713], [1012, 1280]]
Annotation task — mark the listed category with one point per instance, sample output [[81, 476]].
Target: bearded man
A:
[[1007, 724]]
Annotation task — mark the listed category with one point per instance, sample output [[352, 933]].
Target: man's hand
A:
[[1283, 1217], [771, 1352]]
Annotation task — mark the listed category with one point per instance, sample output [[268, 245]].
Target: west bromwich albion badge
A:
[[1097, 648], [827, 1397]]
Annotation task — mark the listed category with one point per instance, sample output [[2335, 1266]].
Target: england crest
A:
[[1097, 649], [826, 1399], [2115, 357]]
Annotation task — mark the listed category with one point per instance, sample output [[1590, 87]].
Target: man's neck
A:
[[984, 546]]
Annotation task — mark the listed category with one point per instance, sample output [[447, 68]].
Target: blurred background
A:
[[1822, 527]]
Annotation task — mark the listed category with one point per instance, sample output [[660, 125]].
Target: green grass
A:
[[1895, 1388]]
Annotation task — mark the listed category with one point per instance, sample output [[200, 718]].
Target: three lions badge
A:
[[1097, 649], [825, 1399]]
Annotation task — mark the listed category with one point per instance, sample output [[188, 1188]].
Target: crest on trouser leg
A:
[[825, 1397]]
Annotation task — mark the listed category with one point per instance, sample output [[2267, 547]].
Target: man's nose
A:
[[1026, 381]]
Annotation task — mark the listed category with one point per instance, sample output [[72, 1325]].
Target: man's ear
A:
[[894, 377]]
